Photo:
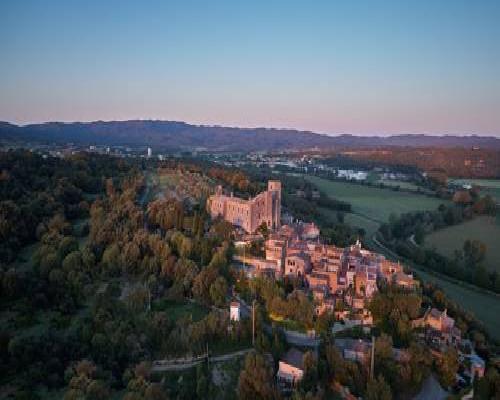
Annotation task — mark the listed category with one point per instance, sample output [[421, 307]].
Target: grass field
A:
[[484, 229], [375, 203]]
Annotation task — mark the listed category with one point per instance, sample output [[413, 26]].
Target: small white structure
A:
[[234, 311], [352, 175], [150, 152]]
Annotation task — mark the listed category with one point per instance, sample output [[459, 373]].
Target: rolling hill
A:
[[184, 136]]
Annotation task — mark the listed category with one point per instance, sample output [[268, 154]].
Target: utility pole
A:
[[372, 363], [253, 323]]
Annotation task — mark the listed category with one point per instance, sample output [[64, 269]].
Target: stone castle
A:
[[249, 214]]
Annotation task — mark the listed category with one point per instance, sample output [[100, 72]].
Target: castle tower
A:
[[274, 203]]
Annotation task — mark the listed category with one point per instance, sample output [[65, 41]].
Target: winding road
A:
[[180, 364]]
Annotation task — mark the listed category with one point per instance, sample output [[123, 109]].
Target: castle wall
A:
[[249, 214]]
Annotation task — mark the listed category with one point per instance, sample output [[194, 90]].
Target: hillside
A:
[[182, 136]]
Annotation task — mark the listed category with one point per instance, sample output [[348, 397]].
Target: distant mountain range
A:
[[182, 136]]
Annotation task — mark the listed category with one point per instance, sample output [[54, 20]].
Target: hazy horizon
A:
[[361, 69]]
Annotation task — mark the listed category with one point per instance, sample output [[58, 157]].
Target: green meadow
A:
[[485, 229], [375, 203]]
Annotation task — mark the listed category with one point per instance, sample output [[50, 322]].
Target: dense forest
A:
[[33, 189], [103, 296]]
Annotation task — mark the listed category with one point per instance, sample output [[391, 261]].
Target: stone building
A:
[[249, 214], [297, 265]]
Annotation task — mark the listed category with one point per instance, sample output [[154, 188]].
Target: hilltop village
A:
[[341, 281]]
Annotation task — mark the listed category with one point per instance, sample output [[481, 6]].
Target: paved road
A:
[[182, 364]]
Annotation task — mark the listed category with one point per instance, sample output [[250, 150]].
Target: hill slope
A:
[[180, 135]]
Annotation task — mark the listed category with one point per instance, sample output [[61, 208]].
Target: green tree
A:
[[447, 367], [310, 379], [84, 386], [378, 389], [256, 379], [218, 291], [474, 252]]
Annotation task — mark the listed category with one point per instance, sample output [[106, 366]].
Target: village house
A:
[[441, 327], [365, 281], [354, 349], [291, 369], [255, 266], [297, 265], [308, 231], [477, 366], [317, 279], [275, 249], [388, 268], [405, 281], [327, 305]]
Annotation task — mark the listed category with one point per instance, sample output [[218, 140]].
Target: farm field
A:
[[375, 203], [488, 186], [485, 229]]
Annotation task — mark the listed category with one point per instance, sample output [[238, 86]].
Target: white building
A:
[[350, 174], [150, 152], [234, 311]]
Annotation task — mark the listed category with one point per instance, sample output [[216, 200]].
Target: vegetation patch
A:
[[486, 229], [176, 310], [487, 186]]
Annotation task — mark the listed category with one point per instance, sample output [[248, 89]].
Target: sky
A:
[[359, 67]]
